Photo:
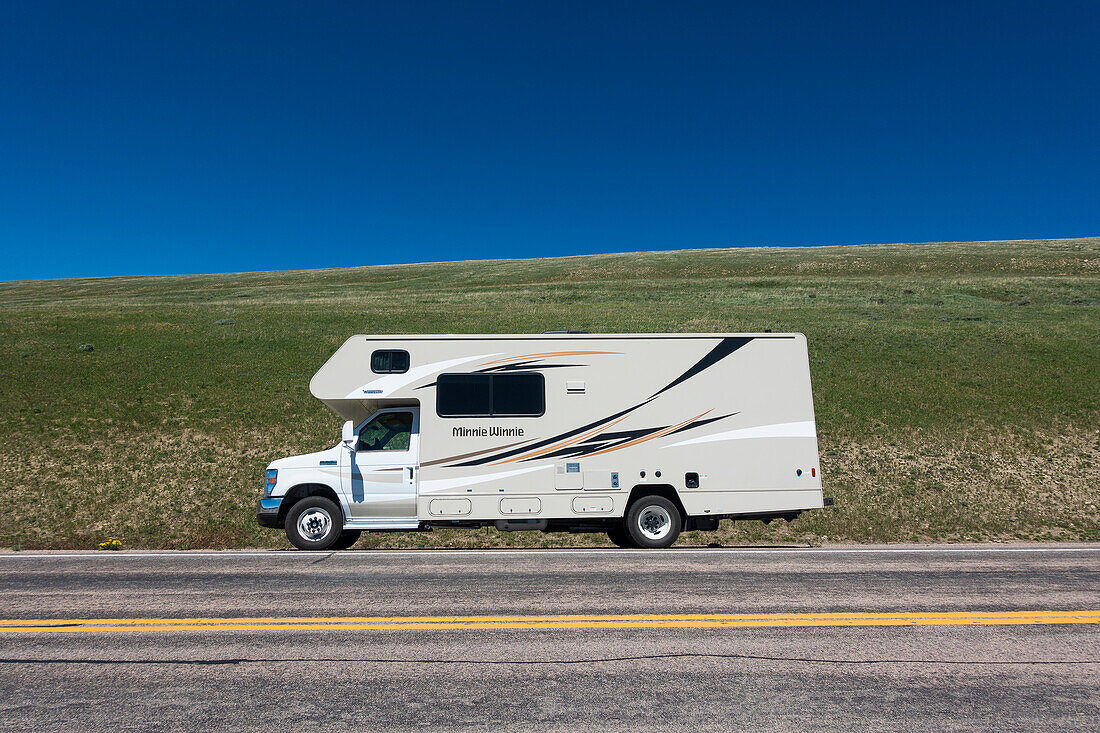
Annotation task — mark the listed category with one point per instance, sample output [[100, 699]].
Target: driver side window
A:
[[388, 431]]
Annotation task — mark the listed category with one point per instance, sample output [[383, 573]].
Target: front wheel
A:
[[653, 521], [314, 523]]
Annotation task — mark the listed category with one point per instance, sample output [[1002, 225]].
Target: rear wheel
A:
[[314, 523], [347, 538], [653, 521], [620, 537]]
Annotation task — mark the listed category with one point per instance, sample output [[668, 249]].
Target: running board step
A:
[[376, 524]]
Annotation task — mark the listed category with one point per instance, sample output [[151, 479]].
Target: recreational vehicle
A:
[[636, 435]]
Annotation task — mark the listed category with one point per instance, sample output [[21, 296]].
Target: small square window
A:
[[389, 361]]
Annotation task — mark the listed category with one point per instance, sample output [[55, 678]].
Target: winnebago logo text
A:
[[492, 432]]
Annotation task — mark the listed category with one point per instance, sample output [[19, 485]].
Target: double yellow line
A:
[[632, 621]]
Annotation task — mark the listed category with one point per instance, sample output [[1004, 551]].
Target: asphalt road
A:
[[701, 639]]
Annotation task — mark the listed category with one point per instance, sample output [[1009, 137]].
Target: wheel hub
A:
[[314, 524], [654, 522]]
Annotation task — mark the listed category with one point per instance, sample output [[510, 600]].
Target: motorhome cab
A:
[[636, 435]]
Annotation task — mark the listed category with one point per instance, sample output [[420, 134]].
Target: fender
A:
[[665, 490], [300, 491]]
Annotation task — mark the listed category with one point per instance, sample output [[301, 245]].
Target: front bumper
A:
[[267, 512]]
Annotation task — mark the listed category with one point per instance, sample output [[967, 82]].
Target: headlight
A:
[[272, 476]]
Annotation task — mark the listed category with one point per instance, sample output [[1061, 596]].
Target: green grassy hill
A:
[[956, 385]]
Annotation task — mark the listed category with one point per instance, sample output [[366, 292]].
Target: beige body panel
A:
[[736, 409]]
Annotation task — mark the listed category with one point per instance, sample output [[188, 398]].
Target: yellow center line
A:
[[627, 621], [559, 617]]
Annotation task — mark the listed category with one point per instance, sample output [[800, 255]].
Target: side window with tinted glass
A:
[[463, 395], [490, 395], [388, 431], [518, 395], [389, 361]]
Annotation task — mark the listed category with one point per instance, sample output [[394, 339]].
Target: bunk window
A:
[[389, 361], [490, 395]]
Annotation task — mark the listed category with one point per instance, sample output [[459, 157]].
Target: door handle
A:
[[411, 470]]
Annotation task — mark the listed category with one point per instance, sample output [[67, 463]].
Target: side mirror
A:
[[348, 434]]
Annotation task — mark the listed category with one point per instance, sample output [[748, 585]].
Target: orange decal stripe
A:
[[548, 354], [471, 455], [644, 438], [561, 444]]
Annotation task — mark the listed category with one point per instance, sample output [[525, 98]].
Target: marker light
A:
[[272, 477]]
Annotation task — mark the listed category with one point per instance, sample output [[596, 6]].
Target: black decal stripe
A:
[[525, 367], [624, 434], [514, 365], [724, 348], [521, 367], [572, 451], [700, 423], [589, 446], [469, 455], [548, 441], [609, 440]]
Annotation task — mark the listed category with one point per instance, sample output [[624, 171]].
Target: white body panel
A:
[[736, 409]]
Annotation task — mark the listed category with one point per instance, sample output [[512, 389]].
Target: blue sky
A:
[[157, 137]]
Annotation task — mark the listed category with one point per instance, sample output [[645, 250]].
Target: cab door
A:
[[383, 472]]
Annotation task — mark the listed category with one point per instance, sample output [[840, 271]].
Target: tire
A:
[[653, 521], [347, 538], [620, 537], [314, 523]]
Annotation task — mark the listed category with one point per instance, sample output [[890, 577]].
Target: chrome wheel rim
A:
[[654, 522], [314, 524]]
